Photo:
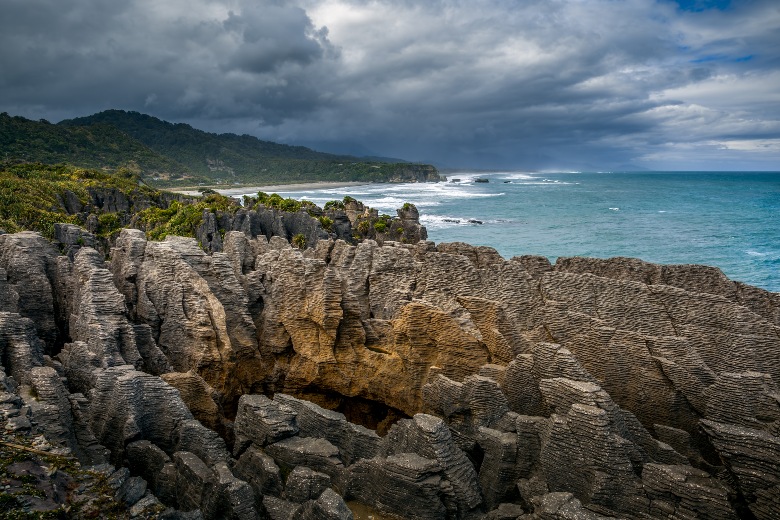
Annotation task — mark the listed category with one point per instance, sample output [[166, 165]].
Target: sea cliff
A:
[[260, 380]]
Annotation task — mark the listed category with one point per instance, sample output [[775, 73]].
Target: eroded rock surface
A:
[[587, 389]]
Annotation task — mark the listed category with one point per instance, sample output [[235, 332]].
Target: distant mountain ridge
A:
[[176, 153]]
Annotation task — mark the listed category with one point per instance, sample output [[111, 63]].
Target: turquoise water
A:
[[728, 220]]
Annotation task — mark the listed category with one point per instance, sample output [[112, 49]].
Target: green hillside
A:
[[94, 146], [167, 155], [230, 158], [34, 196]]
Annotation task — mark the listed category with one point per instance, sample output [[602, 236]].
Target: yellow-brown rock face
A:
[[372, 321]]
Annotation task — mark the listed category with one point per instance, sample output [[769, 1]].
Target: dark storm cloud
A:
[[174, 59], [577, 83]]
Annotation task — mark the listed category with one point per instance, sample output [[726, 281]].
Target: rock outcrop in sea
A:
[[422, 381]]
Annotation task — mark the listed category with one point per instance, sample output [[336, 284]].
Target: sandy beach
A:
[[273, 188]]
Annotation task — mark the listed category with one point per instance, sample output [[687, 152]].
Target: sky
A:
[[508, 84]]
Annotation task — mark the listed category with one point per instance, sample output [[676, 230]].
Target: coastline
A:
[[273, 188]]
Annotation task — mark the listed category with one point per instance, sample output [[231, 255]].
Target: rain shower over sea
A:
[[728, 220]]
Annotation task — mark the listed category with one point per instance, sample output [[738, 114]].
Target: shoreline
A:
[[272, 188]]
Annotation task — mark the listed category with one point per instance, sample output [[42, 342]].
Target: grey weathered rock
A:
[[235, 497], [128, 405], [354, 442], [196, 484], [404, 484], [260, 471], [97, 322], [693, 278], [29, 261], [317, 454], [429, 437], [53, 410], [263, 421], [753, 458], [195, 306], [551, 379], [582, 455], [146, 506], [131, 491], [151, 463], [280, 509], [9, 298], [505, 512], [214, 491], [329, 506], [72, 238], [685, 492], [499, 471], [20, 347], [560, 506], [749, 399], [190, 435], [305, 484]]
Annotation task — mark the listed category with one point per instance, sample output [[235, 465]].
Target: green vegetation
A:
[[334, 204], [363, 226], [326, 223], [109, 224], [36, 196], [95, 146], [167, 154], [230, 158], [277, 202], [299, 241], [181, 219], [32, 195]]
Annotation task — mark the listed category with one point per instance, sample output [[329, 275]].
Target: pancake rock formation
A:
[[415, 381]]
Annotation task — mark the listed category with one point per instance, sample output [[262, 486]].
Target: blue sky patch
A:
[[703, 5], [722, 58]]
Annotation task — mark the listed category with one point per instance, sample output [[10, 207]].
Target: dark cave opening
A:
[[371, 414]]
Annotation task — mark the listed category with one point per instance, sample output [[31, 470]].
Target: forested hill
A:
[[242, 158], [191, 146], [168, 154], [94, 146]]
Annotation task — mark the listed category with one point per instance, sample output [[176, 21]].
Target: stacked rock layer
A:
[[422, 381]]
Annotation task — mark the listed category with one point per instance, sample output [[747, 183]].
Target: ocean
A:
[[730, 220]]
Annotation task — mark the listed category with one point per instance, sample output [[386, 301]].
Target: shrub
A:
[[363, 226], [326, 223], [380, 226], [108, 224], [299, 241], [216, 202], [334, 204], [178, 219], [276, 201]]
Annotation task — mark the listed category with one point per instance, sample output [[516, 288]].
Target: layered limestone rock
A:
[[28, 262], [592, 387]]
